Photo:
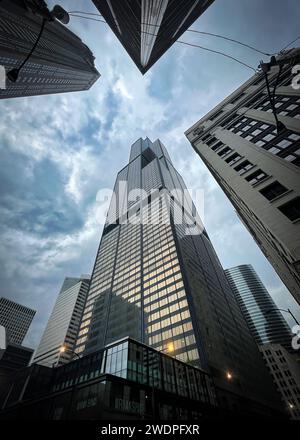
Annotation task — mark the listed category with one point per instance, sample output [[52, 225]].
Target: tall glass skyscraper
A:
[[63, 324], [148, 28], [264, 320], [158, 279]]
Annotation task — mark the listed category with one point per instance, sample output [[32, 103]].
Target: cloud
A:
[[58, 151]]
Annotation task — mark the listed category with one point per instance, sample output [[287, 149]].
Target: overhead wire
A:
[[181, 42], [204, 33]]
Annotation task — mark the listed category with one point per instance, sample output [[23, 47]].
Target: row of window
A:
[[290, 209]]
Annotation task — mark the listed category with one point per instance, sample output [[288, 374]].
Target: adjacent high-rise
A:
[[58, 340], [158, 280], [285, 370], [264, 320], [148, 28], [257, 165], [16, 320], [60, 63]]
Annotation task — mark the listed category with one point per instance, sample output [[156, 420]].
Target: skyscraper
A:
[[148, 28], [256, 165], [16, 319], [158, 280], [63, 324], [285, 370], [264, 320], [60, 63]]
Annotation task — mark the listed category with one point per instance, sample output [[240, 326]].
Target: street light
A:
[[64, 349], [286, 311], [170, 347], [228, 375]]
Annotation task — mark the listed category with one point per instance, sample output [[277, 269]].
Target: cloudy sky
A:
[[58, 151]]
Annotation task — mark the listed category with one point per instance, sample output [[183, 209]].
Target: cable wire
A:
[[285, 47], [183, 42], [216, 52], [205, 33], [85, 13], [87, 18]]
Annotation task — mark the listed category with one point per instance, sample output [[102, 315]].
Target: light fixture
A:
[[291, 405], [61, 14], [228, 375], [62, 349], [170, 347]]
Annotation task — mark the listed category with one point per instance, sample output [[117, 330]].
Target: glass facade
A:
[[63, 325], [139, 363], [263, 318], [16, 319], [148, 28], [158, 279]]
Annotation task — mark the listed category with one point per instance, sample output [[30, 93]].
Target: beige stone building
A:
[[257, 167]]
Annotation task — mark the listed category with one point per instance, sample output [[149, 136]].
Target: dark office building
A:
[[158, 280], [148, 28], [16, 320], [126, 380], [60, 63], [15, 357], [264, 320]]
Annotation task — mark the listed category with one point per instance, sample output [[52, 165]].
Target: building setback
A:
[[148, 28], [257, 168], [60, 63], [158, 280], [63, 324], [16, 320], [264, 320]]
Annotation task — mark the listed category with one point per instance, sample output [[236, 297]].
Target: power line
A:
[[87, 18], [285, 47], [217, 52], [230, 39], [203, 33], [196, 32], [85, 13], [183, 42]]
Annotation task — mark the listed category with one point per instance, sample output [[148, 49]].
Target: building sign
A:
[[129, 406]]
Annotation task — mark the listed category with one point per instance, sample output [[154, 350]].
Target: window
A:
[[233, 158], [256, 132], [211, 141], [273, 190], [284, 143], [268, 137], [217, 146], [274, 150], [257, 176], [224, 152], [291, 209], [260, 143], [294, 137], [244, 167]]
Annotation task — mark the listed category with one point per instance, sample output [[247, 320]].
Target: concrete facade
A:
[[257, 168]]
